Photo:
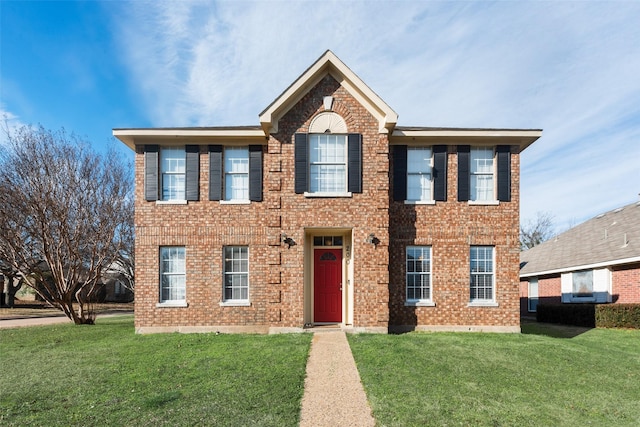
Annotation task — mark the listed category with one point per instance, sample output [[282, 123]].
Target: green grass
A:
[[543, 377], [106, 375]]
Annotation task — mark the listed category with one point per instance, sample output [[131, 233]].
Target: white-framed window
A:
[[236, 173], [582, 284], [588, 285], [482, 274], [173, 162], [533, 295], [418, 274], [327, 163], [236, 274], [482, 174], [419, 175], [172, 274]]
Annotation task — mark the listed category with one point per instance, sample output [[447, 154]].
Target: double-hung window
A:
[[173, 173], [327, 163], [418, 274], [482, 274], [482, 174], [172, 275], [236, 275], [419, 177], [236, 173], [419, 174]]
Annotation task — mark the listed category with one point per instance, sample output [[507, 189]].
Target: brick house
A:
[[326, 213], [597, 261]]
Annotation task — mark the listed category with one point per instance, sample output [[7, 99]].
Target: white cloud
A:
[[9, 122], [569, 68]]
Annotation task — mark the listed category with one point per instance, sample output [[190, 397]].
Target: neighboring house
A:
[[597, 261], [327, 213], [113, 289]]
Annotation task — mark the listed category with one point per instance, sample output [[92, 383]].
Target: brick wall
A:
[[276, 273], [450, 228], [626, 284], [549, 292], [279, 281], [362, 213], [625, 287]]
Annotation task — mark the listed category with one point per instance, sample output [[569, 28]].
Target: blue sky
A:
[[570, 68]]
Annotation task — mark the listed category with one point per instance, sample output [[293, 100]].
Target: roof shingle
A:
[[608, 239]]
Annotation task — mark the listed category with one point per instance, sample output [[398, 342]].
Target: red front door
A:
[[327, 285]]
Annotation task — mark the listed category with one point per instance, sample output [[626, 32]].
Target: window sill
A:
[[484, 202], [483, 304], [171, 202], [235, 304], [330, 194], [235, 202], [579, 300], [419, 304], [419, 202], [172, 305]]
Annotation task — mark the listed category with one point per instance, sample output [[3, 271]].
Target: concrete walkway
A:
[[51, 320], [333, 393]]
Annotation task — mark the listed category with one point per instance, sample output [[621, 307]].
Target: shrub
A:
[[618, 316], [567, 314], [591, 315]]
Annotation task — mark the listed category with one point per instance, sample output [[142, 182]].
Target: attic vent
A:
[[600, 216], [328, 121], [617, 210]]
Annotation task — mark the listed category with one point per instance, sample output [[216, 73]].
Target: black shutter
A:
[[464, 162], [215, 172], [440, 173], [301, 162], [354, 152], [151, 172], [193, 172], [504, 173], [399, 172], [255, 173]]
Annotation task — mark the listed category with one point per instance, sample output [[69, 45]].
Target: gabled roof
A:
[[328, 63], [612, 238]]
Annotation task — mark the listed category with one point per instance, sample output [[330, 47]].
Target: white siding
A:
[[566, 287], [602, 285]]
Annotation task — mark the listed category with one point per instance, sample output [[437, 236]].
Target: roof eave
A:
[[521, 137], [167, 136], [560, 270]]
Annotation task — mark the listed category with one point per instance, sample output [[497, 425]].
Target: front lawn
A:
[[538, 378], [106, 375]]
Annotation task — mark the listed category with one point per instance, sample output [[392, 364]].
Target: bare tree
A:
[[124, 265], [64, 210], [12, 282], [534, 232]]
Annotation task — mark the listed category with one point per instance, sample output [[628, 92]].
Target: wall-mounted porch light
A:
[[372, 239], [288, 241]]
